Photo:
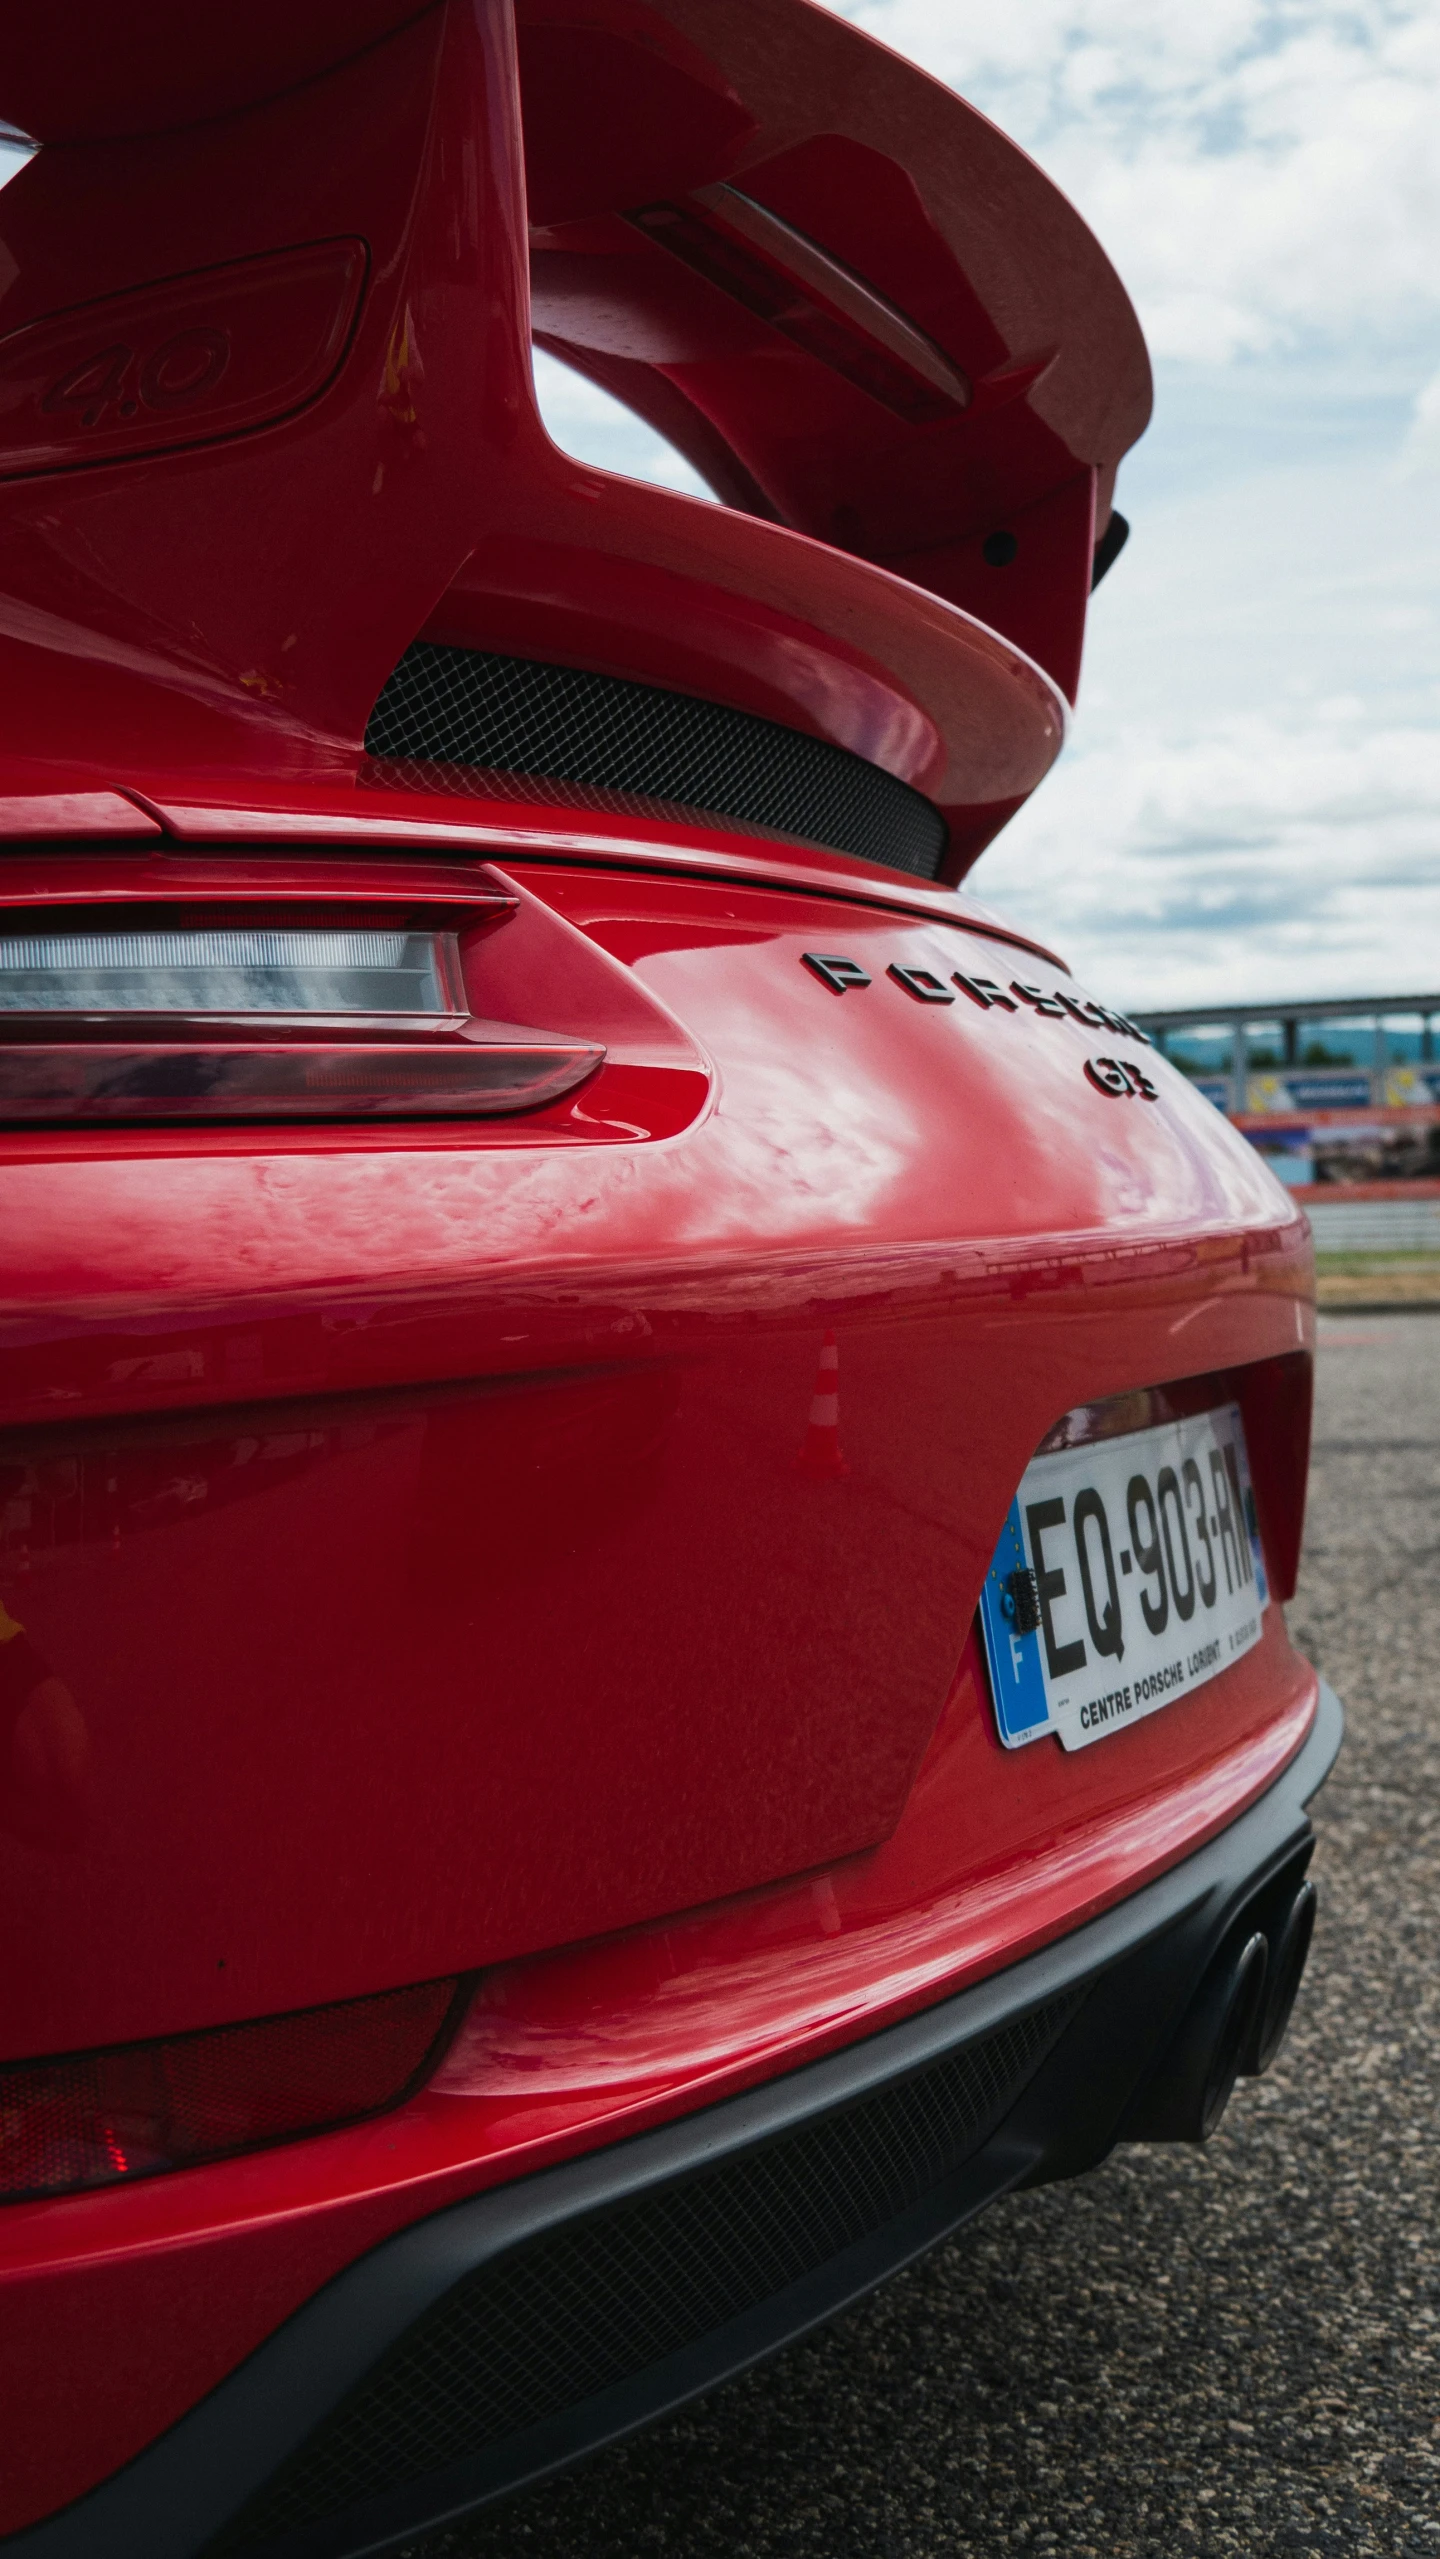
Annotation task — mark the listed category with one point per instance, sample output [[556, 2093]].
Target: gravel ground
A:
[[1227, 2351]]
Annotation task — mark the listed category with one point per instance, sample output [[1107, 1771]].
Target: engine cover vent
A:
[[515, 715]]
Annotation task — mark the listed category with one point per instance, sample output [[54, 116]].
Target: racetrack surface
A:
[[1232, 2350]]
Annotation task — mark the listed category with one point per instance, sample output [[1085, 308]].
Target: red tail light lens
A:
[[490, 1068], [98, 2118]]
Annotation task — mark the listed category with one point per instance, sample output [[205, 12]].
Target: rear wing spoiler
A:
[[267, 414]]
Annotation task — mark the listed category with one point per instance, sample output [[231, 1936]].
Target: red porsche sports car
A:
[[647, 1467]]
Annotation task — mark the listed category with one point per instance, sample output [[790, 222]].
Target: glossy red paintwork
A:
[[651, 1364], [193, 2271], [474, 527], [843, 144], [552, 823], [644, 1321], [75, 74], [74, 817], [410, 1516], [184, 362]]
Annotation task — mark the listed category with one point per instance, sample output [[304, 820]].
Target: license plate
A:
[[1128, 1573]]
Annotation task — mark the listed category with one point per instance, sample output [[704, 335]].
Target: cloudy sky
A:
[[1250, 803]]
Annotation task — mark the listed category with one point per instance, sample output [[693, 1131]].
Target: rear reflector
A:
[[99, 2118], [249, 1021], [491, 1067]]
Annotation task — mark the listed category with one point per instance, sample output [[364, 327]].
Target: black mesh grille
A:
[[566, 2315], [512, 715]]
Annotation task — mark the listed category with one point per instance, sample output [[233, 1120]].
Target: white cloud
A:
[[1421, 448], [1251, 801], [586, 422], [1255, 857], [1259, 170]]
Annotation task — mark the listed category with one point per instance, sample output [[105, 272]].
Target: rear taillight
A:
[[279, 972], [259, 1018], [133, 2110]]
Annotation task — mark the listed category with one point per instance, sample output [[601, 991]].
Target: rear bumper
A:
[[505, 2336]]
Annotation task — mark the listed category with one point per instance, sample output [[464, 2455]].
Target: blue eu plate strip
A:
[[1017, 1682]]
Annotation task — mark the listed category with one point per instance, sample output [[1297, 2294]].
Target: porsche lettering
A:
[[844, 975]]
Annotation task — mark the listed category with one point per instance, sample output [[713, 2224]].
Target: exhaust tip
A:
[[1189, 2092], [1289, 1947]]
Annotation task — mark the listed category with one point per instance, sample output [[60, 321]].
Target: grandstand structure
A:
[[1340, 1094], [1337, 1051]]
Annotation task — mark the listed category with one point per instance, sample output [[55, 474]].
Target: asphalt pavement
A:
[[1232, 2350]]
